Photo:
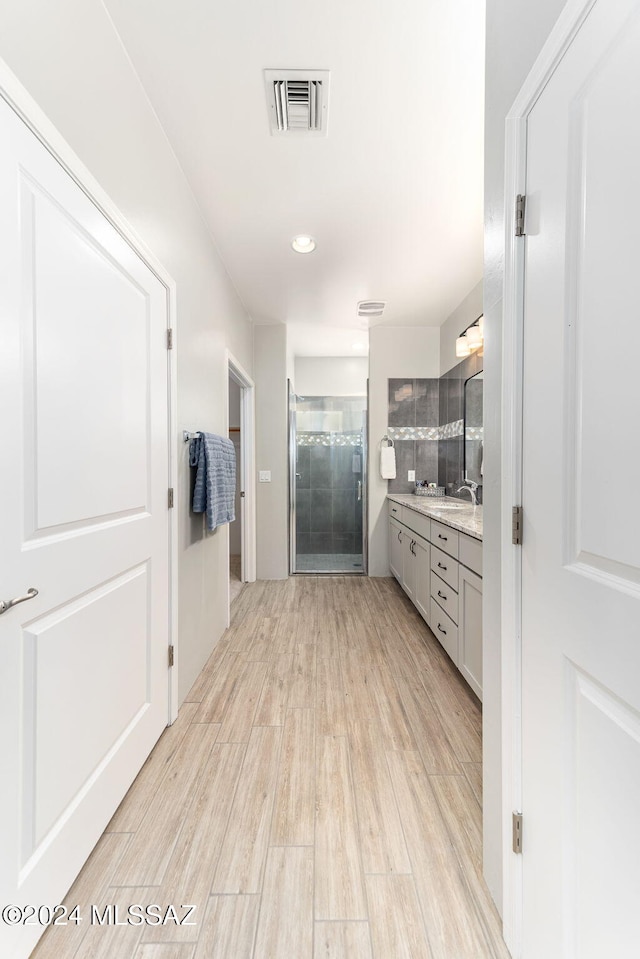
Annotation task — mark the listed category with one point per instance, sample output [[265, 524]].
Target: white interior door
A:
[[581, 463], [83, 487]]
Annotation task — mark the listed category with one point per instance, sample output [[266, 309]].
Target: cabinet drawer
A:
[[470, 553], [444, 538], [419, 523], [445, 631], [445, 567], [445, 596], [395, 511]]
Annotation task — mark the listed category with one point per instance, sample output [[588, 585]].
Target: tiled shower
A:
[[329, 445]]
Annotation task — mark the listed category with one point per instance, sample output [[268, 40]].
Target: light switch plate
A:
[[264, 476], [411, 476]]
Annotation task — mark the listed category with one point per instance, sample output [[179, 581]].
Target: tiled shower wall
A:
[[424, 410], [328, 512]]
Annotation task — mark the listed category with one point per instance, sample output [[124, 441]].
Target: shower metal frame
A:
[[292, 495]]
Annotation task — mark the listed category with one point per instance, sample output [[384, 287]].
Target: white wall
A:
[[462, 317], [331, 375], [516, 31], [70, 60], [270, 377], [393, 352]]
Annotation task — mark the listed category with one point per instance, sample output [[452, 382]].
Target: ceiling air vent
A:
[[371, 307], [298, 101]]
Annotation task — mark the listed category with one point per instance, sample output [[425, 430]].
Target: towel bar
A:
[[187, 436]]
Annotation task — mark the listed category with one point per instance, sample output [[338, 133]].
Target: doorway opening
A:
[[241, 431], [328, 456], [236, 581]]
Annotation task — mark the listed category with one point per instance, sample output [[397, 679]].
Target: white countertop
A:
[[467, 519]]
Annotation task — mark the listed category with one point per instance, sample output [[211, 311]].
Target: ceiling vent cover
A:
[[298, 101], [371, 307]]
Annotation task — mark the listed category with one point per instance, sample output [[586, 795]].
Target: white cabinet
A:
[[395, 548], [470, 629], [409, 568], [422, 594], [440, 570], [409, 561]]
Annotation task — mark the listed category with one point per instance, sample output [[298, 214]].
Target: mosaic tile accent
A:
[[329, 439], [446, 432], [413, 432], [474, 433], [449, 430]]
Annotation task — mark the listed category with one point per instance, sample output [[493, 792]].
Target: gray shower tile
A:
[[344, 543], [321, 543], [427, 402], [344, 511], [402, 403], [303, 467], [303, 543], [454, 402], [454, 462], [303, 510], [442, 462], [343, 476], [427, 460], [320, 464], [320, 512]]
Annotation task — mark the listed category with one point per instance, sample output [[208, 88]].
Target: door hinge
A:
[[171, 656], [520, 205], [169, 339], [516, 526], [170, 497], [242, 493], [517, 832]]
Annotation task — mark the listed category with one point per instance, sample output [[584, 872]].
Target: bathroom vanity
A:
[[435, 553]]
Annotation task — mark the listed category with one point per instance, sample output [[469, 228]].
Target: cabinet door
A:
[[395, 549], [423, 575], [409, 563], [470, 636]]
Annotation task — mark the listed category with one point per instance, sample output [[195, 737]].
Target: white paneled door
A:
[[581, 542], [83, 488]]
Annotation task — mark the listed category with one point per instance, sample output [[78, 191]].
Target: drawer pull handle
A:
[[394, 510], [399, 536], [441, 595], [440, 566], [441, 629], [440, 536]]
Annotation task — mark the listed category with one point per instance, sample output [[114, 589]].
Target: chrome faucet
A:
[[472, 487]]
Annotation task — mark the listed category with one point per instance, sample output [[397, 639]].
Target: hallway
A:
[[319, 796]]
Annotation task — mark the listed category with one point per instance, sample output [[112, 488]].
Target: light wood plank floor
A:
[[317, 798]]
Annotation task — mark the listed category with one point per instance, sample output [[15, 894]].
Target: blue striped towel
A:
[[215, 489]]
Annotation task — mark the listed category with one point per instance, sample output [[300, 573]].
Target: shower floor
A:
[[329, 563]]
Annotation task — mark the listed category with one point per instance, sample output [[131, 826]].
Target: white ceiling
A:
[[393, 194]]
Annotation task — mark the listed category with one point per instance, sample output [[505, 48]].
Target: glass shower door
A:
[[328, 466]]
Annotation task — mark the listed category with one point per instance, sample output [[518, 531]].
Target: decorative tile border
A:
[[474, 433], [329, 439], [446, 432]]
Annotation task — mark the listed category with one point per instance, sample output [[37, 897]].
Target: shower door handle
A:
[[359, 490]]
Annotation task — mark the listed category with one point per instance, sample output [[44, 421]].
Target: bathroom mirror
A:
[[473, 428]]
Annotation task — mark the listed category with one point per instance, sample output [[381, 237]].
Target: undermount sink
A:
[[450, 505]]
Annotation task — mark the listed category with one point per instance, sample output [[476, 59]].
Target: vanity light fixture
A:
[[473, 337], [303, 244], [463, 347]]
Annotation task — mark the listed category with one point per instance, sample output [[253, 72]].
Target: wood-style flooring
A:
[[319, 796]]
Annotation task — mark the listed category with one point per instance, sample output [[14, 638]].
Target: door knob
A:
[[6, 604]]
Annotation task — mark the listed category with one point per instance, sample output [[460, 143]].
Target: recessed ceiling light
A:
[[303, 244]]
